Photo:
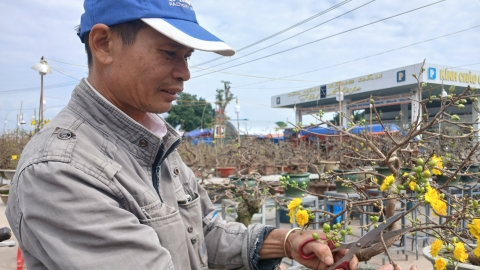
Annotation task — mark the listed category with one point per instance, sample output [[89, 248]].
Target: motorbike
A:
[[5, 234]]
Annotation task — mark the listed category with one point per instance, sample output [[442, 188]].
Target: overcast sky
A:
[[31, 29]]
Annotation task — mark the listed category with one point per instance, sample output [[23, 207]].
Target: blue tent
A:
[[202, 141], [198, 133], [376, 128], [317, 131], [275, 138]]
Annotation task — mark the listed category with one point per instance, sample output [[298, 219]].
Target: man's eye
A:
[[187, 57], [169, 53]]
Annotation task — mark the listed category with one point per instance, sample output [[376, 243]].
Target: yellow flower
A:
[[439, 165], [475, 228], [476, 251], [436, 246], [412, 185], [459, 253], [387, 182], [302, 217], [440, 264], [294, 203], [405, 174], [439, 206], [431, 195], [14, 157], [291, 214], [292, 206]]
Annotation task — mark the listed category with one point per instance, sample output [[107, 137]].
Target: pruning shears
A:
[[372, 237]]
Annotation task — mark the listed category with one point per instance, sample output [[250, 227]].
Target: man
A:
[[102, 186]]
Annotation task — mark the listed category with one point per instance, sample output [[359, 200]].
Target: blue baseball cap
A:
[[173, 18]]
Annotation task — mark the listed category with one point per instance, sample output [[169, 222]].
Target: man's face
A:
[[147, 75]]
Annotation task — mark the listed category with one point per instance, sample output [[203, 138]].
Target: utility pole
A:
[[237, 110], [222, 103]]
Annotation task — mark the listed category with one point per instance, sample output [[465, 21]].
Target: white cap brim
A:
[[190, 34]]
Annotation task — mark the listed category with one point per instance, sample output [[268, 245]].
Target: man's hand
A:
[[324, 257], [390, 267]]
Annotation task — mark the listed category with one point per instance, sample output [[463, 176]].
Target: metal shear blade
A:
[[368, 239]]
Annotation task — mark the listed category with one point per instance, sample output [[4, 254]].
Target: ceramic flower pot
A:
[[4, 198], [225, 171], [240, 182], [340, 186], [320, 168], [7, 174], [302, 180], [442, 179], [266, 169], [470, 179], [330, 165], [283, 169]]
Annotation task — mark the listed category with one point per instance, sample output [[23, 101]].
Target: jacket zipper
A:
[[159, 158]]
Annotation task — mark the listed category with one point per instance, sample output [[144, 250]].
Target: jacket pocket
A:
[[170, 237], [191, 213]]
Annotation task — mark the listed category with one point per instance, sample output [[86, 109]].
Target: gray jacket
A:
[[96, 190]]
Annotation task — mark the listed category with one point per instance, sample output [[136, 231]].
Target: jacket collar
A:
[[116, 125]]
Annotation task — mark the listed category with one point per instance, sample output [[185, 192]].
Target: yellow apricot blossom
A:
[[433, 197], [476, 251], [302, 217], [475, 228], [435, 248], [459, 253], [440, 264], [412, 185], [294, 203], [387, 182], [292, 206], [439, 206], [439, 165]]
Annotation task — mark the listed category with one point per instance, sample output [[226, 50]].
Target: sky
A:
[[32, 29]]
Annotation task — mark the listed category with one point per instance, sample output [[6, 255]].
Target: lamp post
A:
[[339, 98], [43, 69]]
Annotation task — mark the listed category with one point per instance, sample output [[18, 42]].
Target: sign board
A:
[[381, 102], [327, 108], [219, 132], [394, 78]]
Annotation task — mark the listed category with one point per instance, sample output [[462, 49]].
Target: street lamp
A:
[[43, 69], [444, 93]]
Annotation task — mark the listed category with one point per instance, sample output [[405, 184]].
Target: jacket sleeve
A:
[[68, 219], [231, 245]]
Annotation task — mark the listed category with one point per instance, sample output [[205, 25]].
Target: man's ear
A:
[[101, 41]]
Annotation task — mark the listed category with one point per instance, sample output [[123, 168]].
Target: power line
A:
[[77, 65], [66, 73], [36, 88], [254, 76], [33, 108], [282, 31], [269, 46], [317, 40], [369, 56]]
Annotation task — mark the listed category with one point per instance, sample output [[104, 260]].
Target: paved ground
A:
[[8, 255]]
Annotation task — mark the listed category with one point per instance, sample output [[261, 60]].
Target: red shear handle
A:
[[344, 265]]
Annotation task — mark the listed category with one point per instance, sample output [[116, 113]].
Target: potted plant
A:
[[297, 180], [225, 160], [4, 190]]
